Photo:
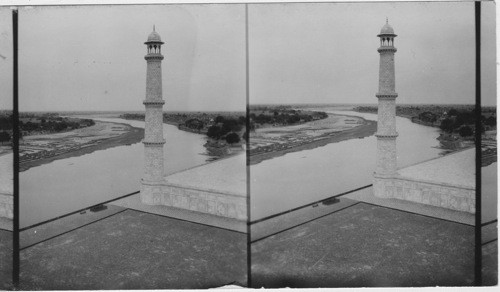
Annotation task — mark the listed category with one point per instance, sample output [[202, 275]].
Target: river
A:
[[278, 184], [67, 185], [298, 178]]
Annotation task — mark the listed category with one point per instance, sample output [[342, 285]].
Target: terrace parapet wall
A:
[[6, 206], [213, 202], [455, 197]]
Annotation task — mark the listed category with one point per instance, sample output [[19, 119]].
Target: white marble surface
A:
[[225, 175], [455, 169]]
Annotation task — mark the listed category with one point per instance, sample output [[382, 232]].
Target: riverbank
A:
[[336, 132], [127, 135], [4, 150]]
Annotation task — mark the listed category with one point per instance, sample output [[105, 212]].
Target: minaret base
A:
[[151, 192], [184, 190], [383, 186]]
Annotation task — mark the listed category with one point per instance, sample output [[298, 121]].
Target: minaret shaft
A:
[[153, 128], [386, 126], [387, 78], [153, 131]]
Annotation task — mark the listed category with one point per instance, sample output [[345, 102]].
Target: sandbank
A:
[[131, 136], [366, 129]]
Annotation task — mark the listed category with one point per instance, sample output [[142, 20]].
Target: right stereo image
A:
[[363, 134]]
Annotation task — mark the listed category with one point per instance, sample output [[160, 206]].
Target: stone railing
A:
[[455, 197], [6, 205], [206, 201]]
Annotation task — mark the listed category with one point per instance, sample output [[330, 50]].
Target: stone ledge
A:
[[216, 189], [135, 203], [153, 103], [388, 136], [387, 96], [203, 201], [153, 143], [153, 57], [434, 194], [387, 49], [7, 206]]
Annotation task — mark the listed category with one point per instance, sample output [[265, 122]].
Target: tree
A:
[[427, 117], [214, 132], [230, 125], [447, 125], [242, 120], [232, 138], [219, 119], [194, 124], [5, 123], [465, 131], [4, 137], [491, 121]]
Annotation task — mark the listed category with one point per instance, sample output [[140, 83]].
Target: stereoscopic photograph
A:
[[248, 145]]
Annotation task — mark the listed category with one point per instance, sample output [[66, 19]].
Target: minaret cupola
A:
[[387, 35], [154, 43]]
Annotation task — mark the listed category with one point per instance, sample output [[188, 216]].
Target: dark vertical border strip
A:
[[247, 139], [478, 247], [15, 137]]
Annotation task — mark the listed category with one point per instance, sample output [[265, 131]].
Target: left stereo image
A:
[[6, 149], [132, 170]]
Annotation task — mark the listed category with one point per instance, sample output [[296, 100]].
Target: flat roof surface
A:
[[226, 175], [6, 224], [455, 169], [366, 246], [6, 260], [136, 250]]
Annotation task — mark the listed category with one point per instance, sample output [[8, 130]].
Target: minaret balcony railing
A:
[[153, 57], [387, 136], [386, 49], [153, 102], [387, 95], [153, 143]]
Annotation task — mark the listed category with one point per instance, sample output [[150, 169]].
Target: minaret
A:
[[386, 126], [153, 131]]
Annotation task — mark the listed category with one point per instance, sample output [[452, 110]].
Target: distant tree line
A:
[[6, 123], [4, 136], [428, 117], [463, 122], [194, 124], [5, 127], [56, 124]]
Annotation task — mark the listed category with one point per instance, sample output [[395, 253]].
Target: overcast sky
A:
[[327, 53], [92, 57], [6, 60]]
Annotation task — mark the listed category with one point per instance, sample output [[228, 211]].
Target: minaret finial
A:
[[387, 20], [154, 28]]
